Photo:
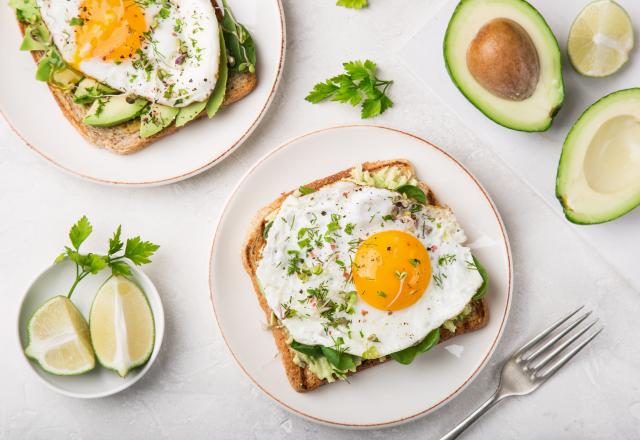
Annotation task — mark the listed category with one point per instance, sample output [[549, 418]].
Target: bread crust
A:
[[302, 379], [125, 138]]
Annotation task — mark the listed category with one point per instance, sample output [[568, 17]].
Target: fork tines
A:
[[546, 353]]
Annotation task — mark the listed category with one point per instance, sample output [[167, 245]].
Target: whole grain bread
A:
[[303, 379], [125, 138]]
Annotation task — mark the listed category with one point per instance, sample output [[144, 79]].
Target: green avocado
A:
[[189, 113], [599, 171], [505, 60], [89, 89], [113, 110], [156, 118]]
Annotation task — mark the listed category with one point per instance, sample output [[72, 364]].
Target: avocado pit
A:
[[504, 60]]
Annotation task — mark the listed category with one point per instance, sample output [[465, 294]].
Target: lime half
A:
[[600, 39], [59, 338], [121, 325]]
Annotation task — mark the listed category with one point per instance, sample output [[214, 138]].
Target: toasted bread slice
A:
[[125, 138], [302, 379]]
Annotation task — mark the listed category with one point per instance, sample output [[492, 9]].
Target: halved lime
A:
[[600, 39], [59, 338], [121, 326]]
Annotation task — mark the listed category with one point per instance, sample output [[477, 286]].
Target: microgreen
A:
[[353, 4], [136, 251], [413, 192], [358, 86]]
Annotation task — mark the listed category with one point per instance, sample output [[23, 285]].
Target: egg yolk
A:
[[111, 30], [391, 270]]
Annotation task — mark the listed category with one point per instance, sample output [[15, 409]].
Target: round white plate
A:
[[391, 393], [30, 110], [100, 382]]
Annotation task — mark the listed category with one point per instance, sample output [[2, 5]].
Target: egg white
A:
[[363, 206], [186, 78]]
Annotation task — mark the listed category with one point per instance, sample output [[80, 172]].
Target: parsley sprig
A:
[[358, 86], [134, 250], [353, 4]]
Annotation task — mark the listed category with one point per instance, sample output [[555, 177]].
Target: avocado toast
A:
[[122, 122], [302, 368]]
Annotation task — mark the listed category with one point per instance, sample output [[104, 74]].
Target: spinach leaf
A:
[[342, 361], [239, 43], [413, 192], [407, 355], [310, 350], [482, 290]]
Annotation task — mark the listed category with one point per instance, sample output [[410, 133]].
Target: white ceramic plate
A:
[[100, 382], [391, 393], [31, 111]]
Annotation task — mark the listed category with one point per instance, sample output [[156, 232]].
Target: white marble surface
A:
[[195, 390]]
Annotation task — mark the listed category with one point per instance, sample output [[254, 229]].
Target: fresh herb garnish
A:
[[482, 290], [359, 85], [242, 51], [76, 21], [304, 190], [446, 259], [136, 251], [413, 192], [414, 262], [353, 4], [438, 279]]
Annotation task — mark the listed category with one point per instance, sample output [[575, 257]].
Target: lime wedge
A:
[[600, 39], [121, 326], [59, 338]]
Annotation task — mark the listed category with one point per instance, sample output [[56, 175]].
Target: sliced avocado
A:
[[217, 96], [599, 172], [189, 113], [89, 89], [36, 37], [113, 110], [65, 78], [504, 58], [156, 118]]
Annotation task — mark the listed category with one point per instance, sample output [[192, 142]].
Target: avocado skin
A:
[[158, 117], [569, 213], [113, 110], [552, 113]]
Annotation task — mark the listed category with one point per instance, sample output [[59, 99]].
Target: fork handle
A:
[[455, 432]]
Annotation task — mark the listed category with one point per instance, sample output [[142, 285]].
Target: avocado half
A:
[[504, 58], [599, 172]]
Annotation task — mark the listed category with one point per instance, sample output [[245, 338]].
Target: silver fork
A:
[[536, 361]]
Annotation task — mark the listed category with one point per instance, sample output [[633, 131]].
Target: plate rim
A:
[[491, 349], [159, 338], [200, 169]]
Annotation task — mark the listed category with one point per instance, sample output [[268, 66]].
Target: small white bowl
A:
[[100, 382]]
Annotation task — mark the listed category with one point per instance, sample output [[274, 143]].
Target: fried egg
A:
[[162, 50], [364, 269]]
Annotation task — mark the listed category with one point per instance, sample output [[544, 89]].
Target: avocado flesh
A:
[[113, 110], [599, 171], [534, 113], [158, 117], [189, 113], [89, 89]]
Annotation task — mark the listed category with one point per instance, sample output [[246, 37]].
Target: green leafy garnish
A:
[[413, 192], [359, 85], [339, 359], [482, 290], [242, 51], [304, 190], [407, 355], [353, 4], [136, 251], [217, 96]]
